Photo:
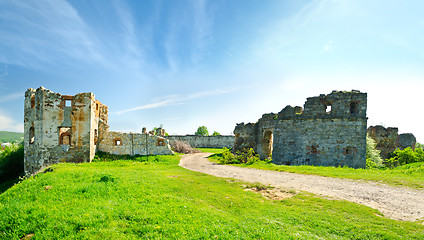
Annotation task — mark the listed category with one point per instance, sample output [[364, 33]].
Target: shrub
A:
[[247, 156], [405, 156], [11, 162], [202, 131], [372, 154], [182, 147]]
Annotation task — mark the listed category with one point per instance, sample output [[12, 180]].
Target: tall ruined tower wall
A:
[[330, 131], [57, 128], [64, 128]]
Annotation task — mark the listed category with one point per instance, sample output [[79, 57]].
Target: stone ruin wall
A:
[[388, 140], [330, 131], [64, 128], [196, 141], [135, 144]]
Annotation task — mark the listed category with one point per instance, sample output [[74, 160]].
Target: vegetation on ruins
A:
[[215, 133], [405, 156], [202, 131], [247, 156], [372, 154], [419, 145], [157, 199]]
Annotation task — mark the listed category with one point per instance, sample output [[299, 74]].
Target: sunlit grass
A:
[[137, 199]]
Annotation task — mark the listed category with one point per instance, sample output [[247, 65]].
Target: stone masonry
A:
[[387, 140], [329, 131], [196, 141], [64, 128]]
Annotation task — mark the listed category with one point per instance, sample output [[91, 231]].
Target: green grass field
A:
[[410, 175], [157, 199]]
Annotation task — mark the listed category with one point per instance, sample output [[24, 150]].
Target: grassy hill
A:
[[154, 198], [6, 136]]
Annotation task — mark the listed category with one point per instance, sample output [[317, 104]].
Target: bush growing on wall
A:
[[247, 156], [405, 156], [372, 154]]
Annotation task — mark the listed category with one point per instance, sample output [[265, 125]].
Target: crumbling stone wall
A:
[[196, 141], [134, 144], [64, 128], [330, 131], [387, 139]]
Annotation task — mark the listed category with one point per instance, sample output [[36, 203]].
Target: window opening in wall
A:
[[65, 136], [31, 135], [354, 109], [348, 150], [328, 109], [97, 106], [68, 103], [33, 101], [267, 143], [117, 142], [95, 136]]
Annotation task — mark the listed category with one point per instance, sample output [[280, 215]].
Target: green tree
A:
[[216, 133], [202, 131], [372, 154]]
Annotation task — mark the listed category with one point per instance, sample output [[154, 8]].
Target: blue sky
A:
[[184, 64]]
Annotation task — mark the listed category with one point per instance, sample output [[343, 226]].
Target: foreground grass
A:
[[159, 200], [409, 175]]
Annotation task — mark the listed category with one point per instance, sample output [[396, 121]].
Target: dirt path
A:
[[394, 202]]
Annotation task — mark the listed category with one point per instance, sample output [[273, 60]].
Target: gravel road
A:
[[398, 203]]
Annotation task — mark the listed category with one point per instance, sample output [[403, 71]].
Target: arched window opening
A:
[[65, 136], [267, 143], [31, 135], [33, 101], [95, 136]]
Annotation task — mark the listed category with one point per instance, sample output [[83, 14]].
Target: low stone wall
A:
[[196, 141], [134, 143]]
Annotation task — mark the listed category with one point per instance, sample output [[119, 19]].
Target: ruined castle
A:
[[330, 130], [64, 128], [388, 140]]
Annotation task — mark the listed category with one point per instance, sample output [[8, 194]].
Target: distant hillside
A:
[[6, 136]]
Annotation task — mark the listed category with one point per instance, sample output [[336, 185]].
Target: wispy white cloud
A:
[[328, 47], [4, 72], [132, 52], [11, 97], [202, 31], [189, 34], [175, 100], [7, 124], [39, 32]]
